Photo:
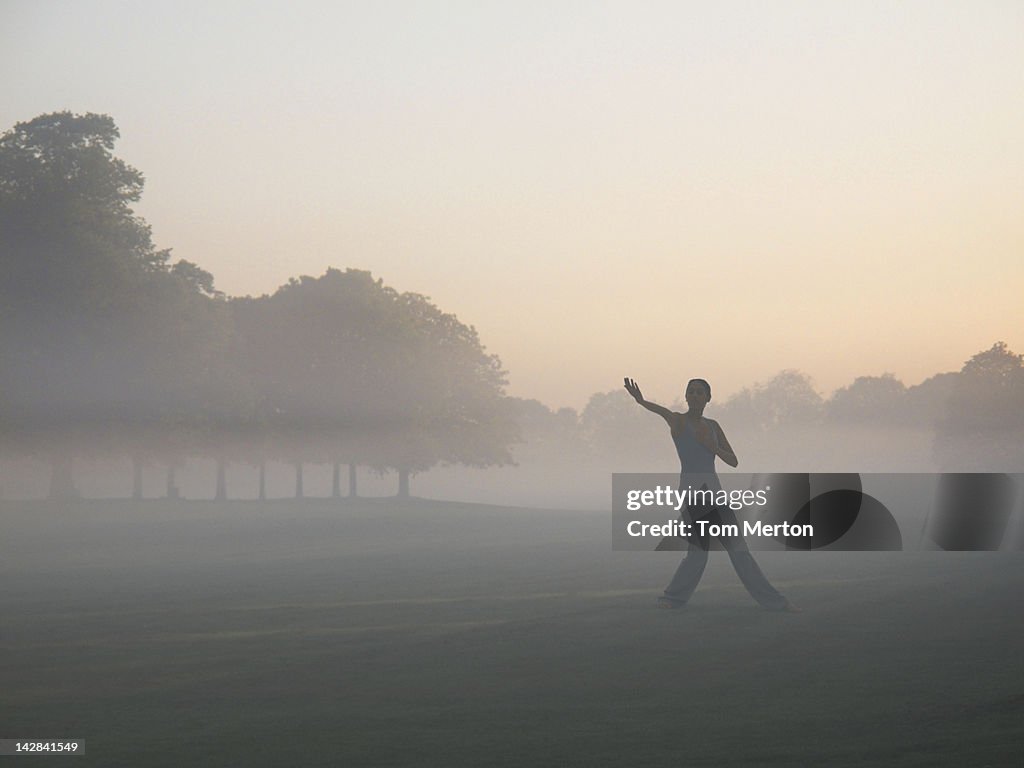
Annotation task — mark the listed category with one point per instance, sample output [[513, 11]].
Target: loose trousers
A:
[[690, 570]]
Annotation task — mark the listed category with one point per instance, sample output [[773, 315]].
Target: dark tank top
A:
[[697, 462]]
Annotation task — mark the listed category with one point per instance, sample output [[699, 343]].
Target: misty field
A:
[[392, 633]]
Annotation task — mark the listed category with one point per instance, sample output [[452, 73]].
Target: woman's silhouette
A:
[[698, 442]]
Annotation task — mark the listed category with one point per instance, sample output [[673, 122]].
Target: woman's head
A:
[[697, 391]]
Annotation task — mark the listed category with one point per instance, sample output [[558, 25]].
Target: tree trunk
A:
[[62, 480], [263, 481], [222, 482], [172, 487], [353, 489], [403, 483], [336, 484], [298, 480], [136, 477]]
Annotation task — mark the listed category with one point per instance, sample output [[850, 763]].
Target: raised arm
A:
[[634, 391]]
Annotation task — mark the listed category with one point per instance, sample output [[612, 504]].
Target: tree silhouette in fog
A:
[[787, 399], [540, 425], [984, 425], [608, 426], [104, 341], [868, 399], [108, 346], [349, 371]]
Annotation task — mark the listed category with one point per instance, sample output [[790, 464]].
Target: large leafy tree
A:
[[103, 339], [317, 352], [447, 404], [349, 371]]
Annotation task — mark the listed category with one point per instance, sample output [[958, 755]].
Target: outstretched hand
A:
[[634, 389]]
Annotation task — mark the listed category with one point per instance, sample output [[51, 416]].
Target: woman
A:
[[698, 442]]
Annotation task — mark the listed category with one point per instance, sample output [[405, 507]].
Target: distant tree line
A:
[[110, 347], [976, 415]]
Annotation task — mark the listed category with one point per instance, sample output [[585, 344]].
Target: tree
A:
[[984, 426], [315, 352], [926, 403], [613, 425], [348, 370], [102, 338], [539, 425], [869, 399], [787, 399], [448, 400]]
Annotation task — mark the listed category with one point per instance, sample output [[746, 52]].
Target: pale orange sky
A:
[[660, 190]]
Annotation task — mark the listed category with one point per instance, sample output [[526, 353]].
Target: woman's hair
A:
[[707, 387]]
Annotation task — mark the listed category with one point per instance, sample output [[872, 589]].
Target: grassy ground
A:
[[379, 633]]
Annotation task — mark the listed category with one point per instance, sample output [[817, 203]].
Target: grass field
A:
[[387, 633]]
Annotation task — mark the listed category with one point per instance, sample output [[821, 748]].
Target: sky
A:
[[660, 190]]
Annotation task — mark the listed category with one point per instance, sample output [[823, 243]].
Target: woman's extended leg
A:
[[750, 574], [690, 570]]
